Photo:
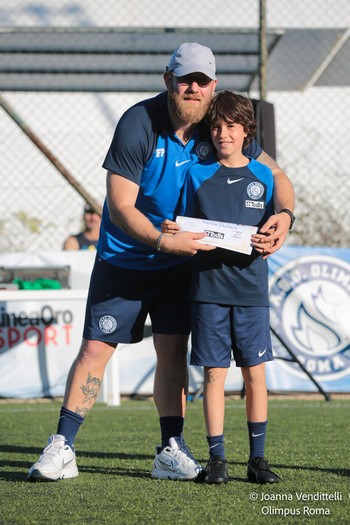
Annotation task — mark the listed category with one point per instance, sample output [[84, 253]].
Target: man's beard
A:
[[187, 111]]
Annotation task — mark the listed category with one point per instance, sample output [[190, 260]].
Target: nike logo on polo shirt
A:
[[229, 181], [261, 353], [177, 163]]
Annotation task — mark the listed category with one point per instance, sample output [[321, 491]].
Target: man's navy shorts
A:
[[119, 301], [218, 331]]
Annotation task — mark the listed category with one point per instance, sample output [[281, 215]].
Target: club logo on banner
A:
[[310, 311]]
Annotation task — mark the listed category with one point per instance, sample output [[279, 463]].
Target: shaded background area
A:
[[69, 69]]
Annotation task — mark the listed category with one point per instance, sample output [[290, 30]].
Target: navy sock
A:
[[170, 426], [68, 425], [216, 446], [257, 435]]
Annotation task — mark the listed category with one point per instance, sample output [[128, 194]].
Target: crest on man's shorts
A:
[[107, 324], [310, 310]]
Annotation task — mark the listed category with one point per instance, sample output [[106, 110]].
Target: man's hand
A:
[[181, 243], [272, 234], [184, 243]]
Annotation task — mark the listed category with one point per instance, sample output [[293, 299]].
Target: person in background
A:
[[87, 239], [139, 271]]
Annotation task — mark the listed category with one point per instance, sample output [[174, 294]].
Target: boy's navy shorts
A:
[[219, 331], [119, 301]]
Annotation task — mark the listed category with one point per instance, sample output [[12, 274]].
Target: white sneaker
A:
[[186, 449], [56, 462], [175, 462]]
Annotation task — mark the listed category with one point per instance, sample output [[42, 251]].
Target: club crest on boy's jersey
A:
[[204, 150], [310, 305], [255, 191]]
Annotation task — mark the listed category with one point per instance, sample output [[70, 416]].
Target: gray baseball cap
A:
[[191, 57]]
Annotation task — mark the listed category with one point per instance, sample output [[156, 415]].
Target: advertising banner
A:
[[40, 331], [40, 334]]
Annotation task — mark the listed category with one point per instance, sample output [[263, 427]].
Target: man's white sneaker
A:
[[186, 449], [56, 462], [175, 462]]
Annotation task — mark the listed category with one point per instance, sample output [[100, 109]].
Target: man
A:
[[140, 271]]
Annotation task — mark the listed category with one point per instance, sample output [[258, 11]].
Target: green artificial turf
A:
[[307, 445]]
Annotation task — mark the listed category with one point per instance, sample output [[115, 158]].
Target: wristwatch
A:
[[291, 215]]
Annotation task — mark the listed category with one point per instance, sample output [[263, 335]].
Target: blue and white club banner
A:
[[310, 312]]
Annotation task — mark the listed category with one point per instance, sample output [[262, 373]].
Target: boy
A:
[[229, 293]]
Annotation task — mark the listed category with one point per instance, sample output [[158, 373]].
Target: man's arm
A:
[[273, 233], [284, 193], [121, 198]]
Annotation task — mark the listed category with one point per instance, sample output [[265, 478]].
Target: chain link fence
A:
[[73, 118]]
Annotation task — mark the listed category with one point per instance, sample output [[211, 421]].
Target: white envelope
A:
[[234, 237]]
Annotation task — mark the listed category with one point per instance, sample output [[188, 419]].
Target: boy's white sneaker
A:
[[175, 462], [56, 462]]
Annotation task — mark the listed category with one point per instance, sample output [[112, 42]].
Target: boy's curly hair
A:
[[231, 106]]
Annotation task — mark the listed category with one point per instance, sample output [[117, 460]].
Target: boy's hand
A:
[[170, 227], [263, 243], [271, 235]]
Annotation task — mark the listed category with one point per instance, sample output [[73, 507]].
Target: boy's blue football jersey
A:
[[237, 195]]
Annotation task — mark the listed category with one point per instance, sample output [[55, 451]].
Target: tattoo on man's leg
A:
[[91, 388], [81, 411]]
